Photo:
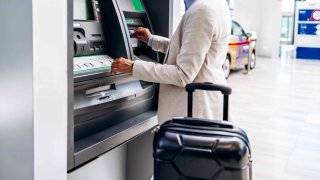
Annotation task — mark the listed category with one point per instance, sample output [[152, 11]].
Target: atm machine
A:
[[110, 110]]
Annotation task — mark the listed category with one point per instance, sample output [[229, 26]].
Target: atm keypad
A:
[[89, 64]]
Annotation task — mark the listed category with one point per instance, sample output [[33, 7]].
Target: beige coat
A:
[[196, 53]]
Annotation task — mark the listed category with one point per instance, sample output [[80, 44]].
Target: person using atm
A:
[[195, 53]]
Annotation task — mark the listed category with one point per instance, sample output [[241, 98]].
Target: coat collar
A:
[[188, 3]]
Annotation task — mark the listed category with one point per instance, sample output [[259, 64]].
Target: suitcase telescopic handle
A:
[[226, 91], [202, 122]]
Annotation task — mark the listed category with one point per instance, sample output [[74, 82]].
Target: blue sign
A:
[[309, 29], [308, 53], [308, 15]]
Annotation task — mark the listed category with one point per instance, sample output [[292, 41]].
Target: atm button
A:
[[89, 65], [76, 67]]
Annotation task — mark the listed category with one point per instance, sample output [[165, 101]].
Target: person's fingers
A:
[[114, 64], [119, 61], [139, 36], [140, 29], [116, 61], [115, 68], [121, 65], [114, 71], [117, 64]]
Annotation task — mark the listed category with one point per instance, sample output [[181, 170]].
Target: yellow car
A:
[[242, 48]]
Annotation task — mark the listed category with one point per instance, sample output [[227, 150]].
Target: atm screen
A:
[[131, 5], [82, 10]]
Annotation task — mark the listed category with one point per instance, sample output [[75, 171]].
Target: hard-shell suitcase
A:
[[198, 149]]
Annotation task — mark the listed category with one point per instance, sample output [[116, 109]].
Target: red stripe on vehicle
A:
[[241, 43]]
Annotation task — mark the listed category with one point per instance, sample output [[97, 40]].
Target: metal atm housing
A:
[[110, 110]]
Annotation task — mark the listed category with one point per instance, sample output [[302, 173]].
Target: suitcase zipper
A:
[[244, 135], [208, 133]]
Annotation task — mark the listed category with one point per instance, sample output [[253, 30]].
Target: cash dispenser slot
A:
[[100, 89], [103, 113]]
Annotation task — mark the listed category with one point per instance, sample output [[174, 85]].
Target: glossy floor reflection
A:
[[278, 104]]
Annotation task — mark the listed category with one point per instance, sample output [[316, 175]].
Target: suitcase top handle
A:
[[202, 122], [208, 87], [226, 91]]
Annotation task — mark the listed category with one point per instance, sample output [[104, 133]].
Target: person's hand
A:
[[122, 65], [142, 34]]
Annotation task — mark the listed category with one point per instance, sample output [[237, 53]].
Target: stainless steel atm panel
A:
[[109, 110]]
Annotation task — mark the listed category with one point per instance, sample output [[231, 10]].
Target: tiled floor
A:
[[278, 104]]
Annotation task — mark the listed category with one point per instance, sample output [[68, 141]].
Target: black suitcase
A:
[[197, 149]]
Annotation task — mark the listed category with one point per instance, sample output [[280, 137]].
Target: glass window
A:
[[287, 29], [236, 29], [182, 8]]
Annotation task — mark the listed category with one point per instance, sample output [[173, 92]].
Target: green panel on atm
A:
[[137, 5]]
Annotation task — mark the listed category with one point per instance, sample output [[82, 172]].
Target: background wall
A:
[[109, 166], [176, 13], [16, 94], [263, 17], [52, 21], [260, 16]]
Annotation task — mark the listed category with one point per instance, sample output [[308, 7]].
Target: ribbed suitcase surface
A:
[[197, 149]]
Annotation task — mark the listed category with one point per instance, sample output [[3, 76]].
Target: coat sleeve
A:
[[160, 44], [199, 30]]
